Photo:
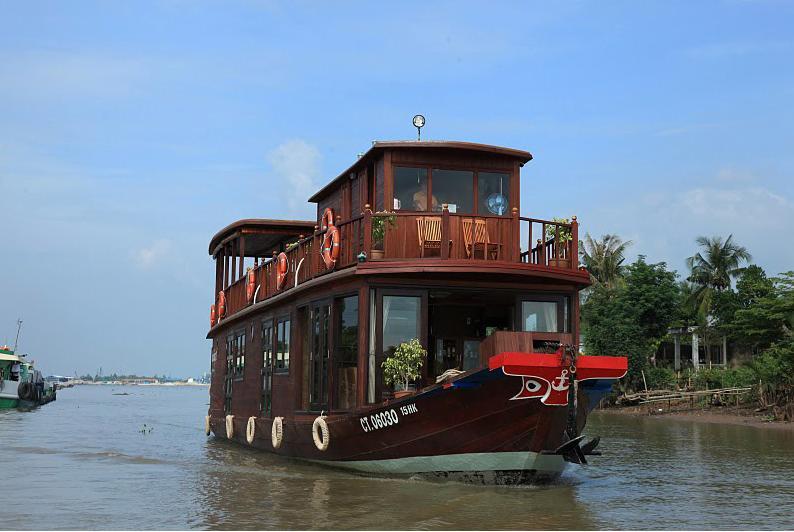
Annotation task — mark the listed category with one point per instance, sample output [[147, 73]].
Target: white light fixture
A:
[[419, 121]]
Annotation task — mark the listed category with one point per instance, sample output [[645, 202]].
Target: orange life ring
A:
[[221, 304], [249, 288], [212, 315], [281, 270], [328, 220], [331, 247]]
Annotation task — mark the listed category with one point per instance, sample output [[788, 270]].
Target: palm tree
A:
[[604, 258], [712, 269]]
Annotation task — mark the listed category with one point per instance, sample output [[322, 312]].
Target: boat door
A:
[[319, 355]]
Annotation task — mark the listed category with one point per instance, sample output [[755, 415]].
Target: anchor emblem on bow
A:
[[561, 383]]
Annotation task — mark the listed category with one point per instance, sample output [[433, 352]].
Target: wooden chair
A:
[[429, 231], [475, 234]]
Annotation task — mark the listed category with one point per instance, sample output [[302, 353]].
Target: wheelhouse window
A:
[[493, 193], [282, 345], [411, 189], [539, 316], [455, 188], [346, 352], [401, 316]]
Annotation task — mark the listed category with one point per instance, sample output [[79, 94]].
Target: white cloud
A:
[[297, 164], [148, 257], [755, 205]]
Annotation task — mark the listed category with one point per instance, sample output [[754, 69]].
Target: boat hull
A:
[[474, 429]]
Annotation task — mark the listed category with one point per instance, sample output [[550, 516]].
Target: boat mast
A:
[[19, 326]]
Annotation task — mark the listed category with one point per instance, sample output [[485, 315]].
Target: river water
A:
[[82, 462]]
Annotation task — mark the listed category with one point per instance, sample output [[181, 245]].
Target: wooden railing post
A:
[[574, 244], [445, 229], [317, 244], [367, 229], [514, 253], [542, 245]]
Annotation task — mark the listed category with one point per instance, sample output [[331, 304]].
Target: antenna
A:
[[19, 326]]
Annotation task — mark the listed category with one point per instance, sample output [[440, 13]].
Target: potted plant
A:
[[380, 223], [562, 258], [403, 366]]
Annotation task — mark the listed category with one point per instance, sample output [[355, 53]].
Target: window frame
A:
[[475, 170], [286, 318], [541, 297]]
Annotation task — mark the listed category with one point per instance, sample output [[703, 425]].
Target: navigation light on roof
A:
[[419, 121]]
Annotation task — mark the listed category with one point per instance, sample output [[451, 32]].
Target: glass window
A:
[[282, 346], [493, 193], [539, 316], [410, 189], [267, 366], [455, 188], [400, 321], [346, 357]]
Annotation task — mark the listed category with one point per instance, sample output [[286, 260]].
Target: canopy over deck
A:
[[261, 236]]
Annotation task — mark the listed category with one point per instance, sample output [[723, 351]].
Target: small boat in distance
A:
[[21, 385], [419, 325]]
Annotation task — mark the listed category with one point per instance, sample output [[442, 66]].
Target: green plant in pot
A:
[[381, 222], [563, 232], [404, 366]]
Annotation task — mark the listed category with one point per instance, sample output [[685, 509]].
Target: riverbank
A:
[[744, 416]]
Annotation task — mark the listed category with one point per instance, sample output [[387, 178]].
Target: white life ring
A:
[[277, 432], [250, 429], [230, 426], [207, 427], [320, 433]]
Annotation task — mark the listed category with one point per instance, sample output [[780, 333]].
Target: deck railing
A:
[[549, 244]]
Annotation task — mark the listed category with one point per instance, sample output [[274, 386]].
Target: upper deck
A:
[[443, 207]]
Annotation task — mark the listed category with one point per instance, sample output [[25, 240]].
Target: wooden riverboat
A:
[[306, 312]]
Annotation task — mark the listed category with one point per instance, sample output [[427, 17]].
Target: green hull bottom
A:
[[8, 403]]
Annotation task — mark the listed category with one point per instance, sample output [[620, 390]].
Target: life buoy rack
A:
[[328, 220], [250, 430], [212, 315], [320, 433], [207, 426], [282, 267], [230, 426], [331, 247], [221, 308], [250, 285], [277, 432]]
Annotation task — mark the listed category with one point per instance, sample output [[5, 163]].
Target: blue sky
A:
[[132, 131]]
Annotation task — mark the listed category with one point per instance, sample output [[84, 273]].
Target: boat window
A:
[[410, 189], [539, 316], [371, 358], [400, 321], [455, 188], [282, 346], [493, 193], [267, 366], [346, 355]]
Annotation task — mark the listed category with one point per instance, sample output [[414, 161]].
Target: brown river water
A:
[[82, 463]]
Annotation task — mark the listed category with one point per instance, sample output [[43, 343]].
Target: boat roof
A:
[[379, 146], [261, 235], [9, 357]]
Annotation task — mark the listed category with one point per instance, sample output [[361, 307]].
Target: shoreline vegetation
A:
[[741, 325]]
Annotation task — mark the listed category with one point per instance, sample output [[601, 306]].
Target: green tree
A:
[[631, 319], [604, 258], [769, 319], [712, 269]]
